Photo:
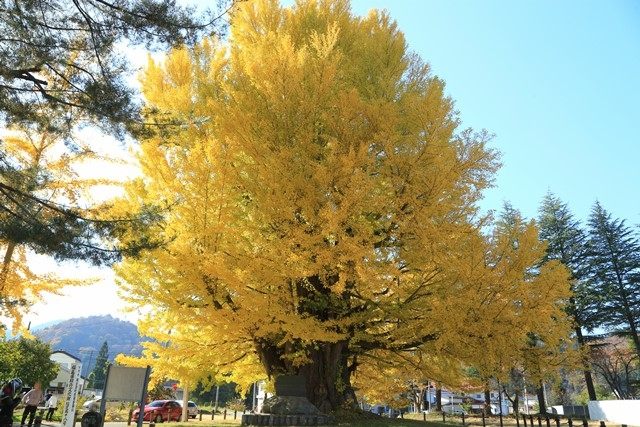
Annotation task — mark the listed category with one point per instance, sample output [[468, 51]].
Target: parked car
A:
[[95, 403], [159, 411], [192, 408]]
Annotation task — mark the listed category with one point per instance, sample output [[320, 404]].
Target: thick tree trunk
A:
[[328, 378], [487, 400], [416, 401], [588, 378], [633, 330], [327, 375], [541, 403], [6, 262], [439, 398], [626, 305], [419, 394]]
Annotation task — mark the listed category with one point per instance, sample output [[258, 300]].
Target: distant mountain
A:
[[37, 327], [83, 336], [45, 325]]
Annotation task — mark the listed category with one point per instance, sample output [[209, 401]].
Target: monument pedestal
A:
[[285, 420], [289, 407]]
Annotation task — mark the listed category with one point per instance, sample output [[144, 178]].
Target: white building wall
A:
[[261, 395], [617, 411], [62, 359]]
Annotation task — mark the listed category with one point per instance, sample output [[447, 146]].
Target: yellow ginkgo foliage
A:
[[323, 214], [38, 179]]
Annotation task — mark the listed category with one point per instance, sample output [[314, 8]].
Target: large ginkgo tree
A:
[[323, 215]]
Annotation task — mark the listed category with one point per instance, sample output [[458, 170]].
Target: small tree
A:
[[159, 391], [206, 392], [615, 361], [27, 359], [514, 388]]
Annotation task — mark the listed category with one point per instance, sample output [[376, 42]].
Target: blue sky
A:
[[558, 82]]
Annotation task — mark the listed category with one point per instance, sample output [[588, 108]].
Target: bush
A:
[[236, 405], [116, 414]]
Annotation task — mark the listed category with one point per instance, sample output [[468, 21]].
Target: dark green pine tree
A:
[[566, 241], [66, 54], [511, 222], [99, 372], [614, 258], [61, 69]]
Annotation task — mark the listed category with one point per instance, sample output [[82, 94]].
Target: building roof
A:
[[65, 353]]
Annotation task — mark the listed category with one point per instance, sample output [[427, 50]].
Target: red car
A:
[[159, 411]]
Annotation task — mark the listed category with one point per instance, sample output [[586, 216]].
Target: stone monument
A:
[[289, 407]]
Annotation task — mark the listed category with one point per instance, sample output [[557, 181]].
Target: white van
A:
[[454, 410], [192, 408]]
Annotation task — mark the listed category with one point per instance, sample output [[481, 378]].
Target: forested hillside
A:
[[82, 338]]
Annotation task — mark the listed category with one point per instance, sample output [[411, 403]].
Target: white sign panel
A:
[[125, 383], [616, 411], [71, 395]]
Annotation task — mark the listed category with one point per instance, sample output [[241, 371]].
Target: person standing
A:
[[52, 405], [9, 399], [31, 400]]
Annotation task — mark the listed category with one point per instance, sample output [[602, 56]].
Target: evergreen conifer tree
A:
[[99, 372], [614, 258], [60, 70], [567, 243], [64, 54]]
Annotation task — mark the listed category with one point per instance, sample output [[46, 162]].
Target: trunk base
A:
[[325, 380], [285, 420], [289, 405]]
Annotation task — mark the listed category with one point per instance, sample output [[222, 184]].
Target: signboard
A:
[[71, 395], [290, 385], [125, 383]]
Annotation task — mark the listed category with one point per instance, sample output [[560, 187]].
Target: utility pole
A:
[[89, 364], [254, 398], [526, 399]]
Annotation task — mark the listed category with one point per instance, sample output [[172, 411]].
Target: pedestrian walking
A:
[[31, 401], [51, 405]]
